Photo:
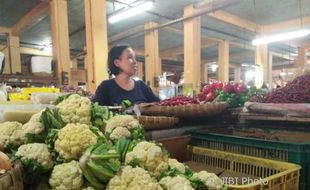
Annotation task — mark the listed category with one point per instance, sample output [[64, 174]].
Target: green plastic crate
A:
[[298, 153]]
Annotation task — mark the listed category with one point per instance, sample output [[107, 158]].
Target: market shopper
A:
[[123, 65]]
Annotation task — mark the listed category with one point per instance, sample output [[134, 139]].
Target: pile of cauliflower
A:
[[53, 143]]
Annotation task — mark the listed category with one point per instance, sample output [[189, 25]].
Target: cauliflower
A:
[[123, 126], [7, 129], [175, 183], [149, 156], [174, 164], [37, 152], [34, 125], [67, 176], [211, 181], [73, 140], [129, 178], [75, 109]]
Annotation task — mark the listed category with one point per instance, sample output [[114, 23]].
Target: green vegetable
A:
[[61, 98], [126, 104], [99, 115], [101, 162]]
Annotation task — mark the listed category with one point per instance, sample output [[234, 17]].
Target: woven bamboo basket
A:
[[186, 111], [12, 180], [157, 122]]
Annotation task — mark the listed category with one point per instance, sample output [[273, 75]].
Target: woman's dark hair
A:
[[114, 53]]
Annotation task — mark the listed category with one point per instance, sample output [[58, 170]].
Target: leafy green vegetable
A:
[[99, 115], [61, 98], [99, 163]]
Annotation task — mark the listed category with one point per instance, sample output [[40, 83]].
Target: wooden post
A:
[[192, 49], [7, 66], [96, 42], [302, 58], [269, 70], [237, 77], [14, 54], [152, 61], [60, 38], [261, 59], [204, 73], [140, 70], [223, 59]]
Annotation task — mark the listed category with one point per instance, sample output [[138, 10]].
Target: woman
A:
[[123, 65]]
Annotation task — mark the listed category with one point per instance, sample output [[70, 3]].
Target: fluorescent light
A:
[[290, 73], [131, 12], [281, 37]]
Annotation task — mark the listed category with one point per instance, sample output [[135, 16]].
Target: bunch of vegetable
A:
[[235, 94], [178, 100], [65, 151], [296, 91]]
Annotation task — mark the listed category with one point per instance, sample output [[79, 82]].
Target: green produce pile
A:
[[79, 145]]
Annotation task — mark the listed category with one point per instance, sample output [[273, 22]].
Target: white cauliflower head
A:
[[129, 178], [176, 183], [75, 109], [174, 164], [211, 181], [149, 156], [7, 130], [73, 140], [37, 152], [123, 126], [67, 176], [34, 125]]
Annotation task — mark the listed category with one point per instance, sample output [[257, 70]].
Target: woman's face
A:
[[127, 62]]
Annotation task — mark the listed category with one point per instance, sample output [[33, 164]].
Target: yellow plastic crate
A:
[[272, 175]]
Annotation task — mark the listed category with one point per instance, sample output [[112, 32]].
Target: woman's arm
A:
[[148, 93]]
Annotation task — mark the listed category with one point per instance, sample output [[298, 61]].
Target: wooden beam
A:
[[140, 70], [7, 65], [235, 20], [152, 61], [237, 74], [14, 52], [60, 39], [285, 25], [204, 73], [96, 42], [32, 51], [31, 17], [261, 59], [4, 30], [125, 34], [302, 58], [223, 61], [172, 52], [192, 48]]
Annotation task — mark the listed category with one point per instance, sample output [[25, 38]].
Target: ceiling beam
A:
[[172, 52], [235, 20], [4, 30], [33, 51], [126, 33], [32, 17], [279, 26]]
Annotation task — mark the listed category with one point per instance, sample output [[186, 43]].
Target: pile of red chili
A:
[[296, 91], [179, 100]]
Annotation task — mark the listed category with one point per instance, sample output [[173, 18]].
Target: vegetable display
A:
[[296, 91], [88, 149], [178, 100], [235, 94]]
